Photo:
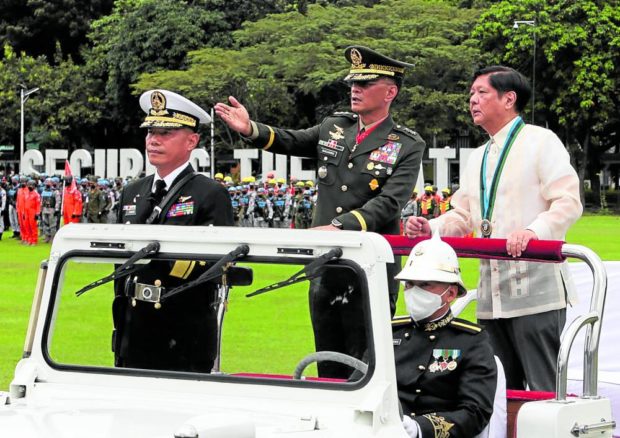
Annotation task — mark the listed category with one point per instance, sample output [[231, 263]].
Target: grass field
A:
[[18, 272]]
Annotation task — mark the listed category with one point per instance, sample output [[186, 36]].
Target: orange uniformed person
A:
[[32, 209], [72, 207], [20, 203]]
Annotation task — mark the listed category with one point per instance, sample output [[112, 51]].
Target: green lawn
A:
[[18, 273]]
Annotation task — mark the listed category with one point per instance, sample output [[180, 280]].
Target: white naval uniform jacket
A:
[[538, 190]]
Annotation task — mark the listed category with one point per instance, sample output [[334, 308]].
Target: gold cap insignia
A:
[[356, 58], [158, 104]]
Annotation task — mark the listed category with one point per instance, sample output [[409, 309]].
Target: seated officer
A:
[[181, 333], [445, 369]]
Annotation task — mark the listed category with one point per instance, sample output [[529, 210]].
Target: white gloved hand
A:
[[411, 426]]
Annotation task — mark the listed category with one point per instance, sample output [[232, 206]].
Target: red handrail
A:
[[468, 247]]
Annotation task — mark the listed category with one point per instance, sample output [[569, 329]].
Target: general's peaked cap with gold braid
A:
[[367, 65]]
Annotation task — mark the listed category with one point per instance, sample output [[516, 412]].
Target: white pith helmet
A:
[[433, 260]]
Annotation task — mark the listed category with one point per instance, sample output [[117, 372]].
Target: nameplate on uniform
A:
[[388, 153], [181, 209], [329, 152], [332, 144], [130, 210], [397, 341]]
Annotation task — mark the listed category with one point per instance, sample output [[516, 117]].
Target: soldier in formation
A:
[[50, 209]]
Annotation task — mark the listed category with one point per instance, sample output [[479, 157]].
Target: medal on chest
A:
[[444, 360]]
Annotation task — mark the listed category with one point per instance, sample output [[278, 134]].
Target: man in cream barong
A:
[[518, 186]]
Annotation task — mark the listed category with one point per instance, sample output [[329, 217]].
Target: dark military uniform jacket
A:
[[201, 201], [182, 334], [364, 187], [446, 375]]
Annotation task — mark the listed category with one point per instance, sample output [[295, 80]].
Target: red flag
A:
[[68, 173]]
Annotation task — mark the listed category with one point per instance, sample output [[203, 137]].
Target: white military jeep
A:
[[67, 386]]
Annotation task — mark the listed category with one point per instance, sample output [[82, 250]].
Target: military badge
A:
[[332, 144], [184, 198], [444, 359], [181, 209], [329, 152], [397, 341], [322, 172], [158, 104], [393, 137], [370, 166], [338, 134], [356, 58], [130, 210], [374, 184], [388, 153]]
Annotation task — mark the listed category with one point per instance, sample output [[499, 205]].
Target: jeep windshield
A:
[[258, 337]]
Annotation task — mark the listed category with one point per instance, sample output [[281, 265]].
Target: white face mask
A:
[[421, 303]]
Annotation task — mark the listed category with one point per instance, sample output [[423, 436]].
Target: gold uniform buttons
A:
[[344, 188], [432, 337], [350, 165], [338, 209], [421, 367]]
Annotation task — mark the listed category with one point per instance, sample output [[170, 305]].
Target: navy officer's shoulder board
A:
[[466, 326]]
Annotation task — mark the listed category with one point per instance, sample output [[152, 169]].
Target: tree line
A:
[[283, 59]]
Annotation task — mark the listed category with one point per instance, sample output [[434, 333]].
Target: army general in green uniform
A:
[[367, 168]]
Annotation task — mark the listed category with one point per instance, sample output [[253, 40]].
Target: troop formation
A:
[[271, 202], [32, 206]]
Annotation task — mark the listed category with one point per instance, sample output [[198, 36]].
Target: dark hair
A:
[[505, 79]]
